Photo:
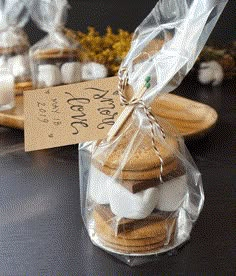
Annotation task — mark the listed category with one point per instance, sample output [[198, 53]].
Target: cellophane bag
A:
[[55, 60], [141, 192], [14, 49]]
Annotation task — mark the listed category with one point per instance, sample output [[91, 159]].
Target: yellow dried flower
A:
[[108, 49], [111, 48]]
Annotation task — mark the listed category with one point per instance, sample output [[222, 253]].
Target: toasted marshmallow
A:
[[93, 70], [171, 194], [71, 72], [49, 75]]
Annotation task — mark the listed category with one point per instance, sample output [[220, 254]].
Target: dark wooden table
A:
[[41, 230]]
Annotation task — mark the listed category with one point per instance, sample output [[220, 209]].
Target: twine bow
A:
[[123, 81]]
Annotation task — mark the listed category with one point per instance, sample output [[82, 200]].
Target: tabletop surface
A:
[[41, 229]]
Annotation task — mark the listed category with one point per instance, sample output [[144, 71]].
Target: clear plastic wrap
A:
[[55, 59], [141, 192], [14, 46]]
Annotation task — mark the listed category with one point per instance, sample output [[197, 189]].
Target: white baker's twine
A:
[[123, 81]]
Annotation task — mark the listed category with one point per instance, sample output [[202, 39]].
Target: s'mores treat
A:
[[133, 211], [141, 192], [131, 236], [56, 59], [14, 60], [53, 67], [14, 46]]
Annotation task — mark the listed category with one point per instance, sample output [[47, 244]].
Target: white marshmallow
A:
[[9, 39], [93, 70], [168, 196], [19, 65], [125, 204], [3, 63], [71, 72], [98, 186], [104, 189], [171, 194], [211, 72], [48, 75], [6, 89]]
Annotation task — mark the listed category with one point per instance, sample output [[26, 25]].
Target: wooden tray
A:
[[189, 117]]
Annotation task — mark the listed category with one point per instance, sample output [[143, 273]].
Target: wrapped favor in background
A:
[[14, 46], [55, 60], [141, 192]]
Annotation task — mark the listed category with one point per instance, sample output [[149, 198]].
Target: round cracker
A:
[[23, 85], [139, 174], [133, 249], [55, 53], [144, 157], [151, 230], [15, 50]]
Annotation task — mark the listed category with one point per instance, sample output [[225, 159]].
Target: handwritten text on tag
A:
[[70, 114]]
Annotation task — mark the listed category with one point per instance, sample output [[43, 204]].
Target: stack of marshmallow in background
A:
[[14, 49], [13, 69], [69, 72], [6, 85], [19, 66], [14, 56], [53, 59], [14, 45], [6, 91], [52, 75], [93, 70], [76, 72]]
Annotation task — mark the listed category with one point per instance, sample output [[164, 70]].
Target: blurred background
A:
[[128, 15]]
